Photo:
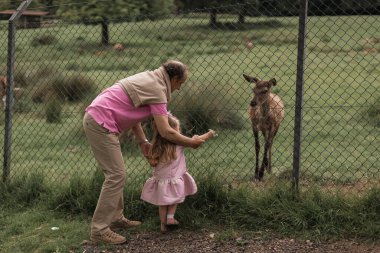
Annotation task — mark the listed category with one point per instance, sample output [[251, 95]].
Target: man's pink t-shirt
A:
[[113, 110]]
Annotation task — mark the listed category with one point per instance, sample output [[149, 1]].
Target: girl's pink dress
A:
[[170, 183]]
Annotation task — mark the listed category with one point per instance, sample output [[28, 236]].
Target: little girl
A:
[[171, 182]]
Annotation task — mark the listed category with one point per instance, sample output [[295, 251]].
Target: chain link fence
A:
[[60, 66]]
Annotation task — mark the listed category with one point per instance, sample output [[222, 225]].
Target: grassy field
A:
[[339, 143]]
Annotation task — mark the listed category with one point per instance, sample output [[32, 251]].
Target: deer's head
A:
[[262, 88]]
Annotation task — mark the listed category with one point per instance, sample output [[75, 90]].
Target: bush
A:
[[22, 106], [374, 114], [41, 93], [201, 109], [44, 71], [53, 111], [21, 77], [27, 76], [44, 39], [73, 88]]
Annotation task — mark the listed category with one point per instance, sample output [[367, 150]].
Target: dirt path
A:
[[207, 242]]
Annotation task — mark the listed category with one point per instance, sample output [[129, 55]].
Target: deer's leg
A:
[[269, 168], [257, 151], [265, 162]]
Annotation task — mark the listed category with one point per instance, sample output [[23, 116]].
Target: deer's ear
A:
[[250, 78], [273, 81]]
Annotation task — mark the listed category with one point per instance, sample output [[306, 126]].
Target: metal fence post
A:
[[9, 90], [299, 94]]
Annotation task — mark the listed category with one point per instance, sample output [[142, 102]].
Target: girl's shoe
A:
[[171, 222]]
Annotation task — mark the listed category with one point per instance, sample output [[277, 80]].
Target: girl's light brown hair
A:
[[163, 150]]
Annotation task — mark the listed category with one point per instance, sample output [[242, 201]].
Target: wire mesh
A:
[[60, 66]]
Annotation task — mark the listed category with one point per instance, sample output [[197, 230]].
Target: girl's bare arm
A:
[[172, 135]]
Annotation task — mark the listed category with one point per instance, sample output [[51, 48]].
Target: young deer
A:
[[266, 112], [3, 90], [17, 92]]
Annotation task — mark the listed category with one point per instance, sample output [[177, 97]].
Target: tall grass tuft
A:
[[373, 113], [54, 110], [136, 208], [79, 196], [368, 213], [24, 105], [210, 200], [23, 191], [371, 202], [44, 39]]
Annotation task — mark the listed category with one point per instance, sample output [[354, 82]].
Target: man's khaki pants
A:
[[107, 152]]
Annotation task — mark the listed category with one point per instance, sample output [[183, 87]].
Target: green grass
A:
[[31, 231], [27, 226], [340, 143]]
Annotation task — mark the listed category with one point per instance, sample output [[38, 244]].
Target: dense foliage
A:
[[115, 8], [104, 12]]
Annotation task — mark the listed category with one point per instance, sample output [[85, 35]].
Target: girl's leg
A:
[[170, 215], [163, 211]]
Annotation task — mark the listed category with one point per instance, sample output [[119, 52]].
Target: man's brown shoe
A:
[[124, 223], [108, 237]]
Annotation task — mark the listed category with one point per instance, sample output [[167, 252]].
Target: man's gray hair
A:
[[175, 69]]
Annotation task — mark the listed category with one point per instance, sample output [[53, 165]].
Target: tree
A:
[[92, 12], [246, 8], [206, 6], [157, 8], [14, 4], [95, 12], [213, 7]]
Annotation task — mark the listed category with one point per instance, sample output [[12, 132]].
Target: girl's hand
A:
[[153, 162], [211, 133], [145, 147], [197, 141]]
